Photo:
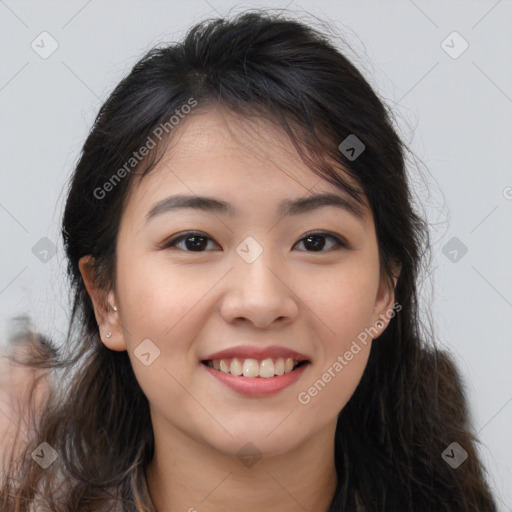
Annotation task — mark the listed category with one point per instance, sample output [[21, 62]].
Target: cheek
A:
[[344, 300], [161, 304], [332, 386], [336, 375], [345, 305], [156, 296]]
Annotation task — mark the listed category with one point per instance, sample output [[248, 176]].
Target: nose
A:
[[259, 293]]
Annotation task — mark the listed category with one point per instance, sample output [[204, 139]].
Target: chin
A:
[[257, 442]]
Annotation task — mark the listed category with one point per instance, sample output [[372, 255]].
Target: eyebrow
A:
[[287, 207]]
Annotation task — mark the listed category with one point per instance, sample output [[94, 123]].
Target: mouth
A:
[[255, 368]]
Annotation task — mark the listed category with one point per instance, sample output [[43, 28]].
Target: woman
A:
[[244, 256]]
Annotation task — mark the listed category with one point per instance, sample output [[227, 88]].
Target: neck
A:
[[190, 476]]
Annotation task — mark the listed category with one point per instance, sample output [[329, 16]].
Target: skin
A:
[[191, 304]]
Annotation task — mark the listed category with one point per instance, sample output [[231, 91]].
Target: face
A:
[[302, 284]]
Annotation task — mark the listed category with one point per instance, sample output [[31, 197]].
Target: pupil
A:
[[318, 245], [196, 245]]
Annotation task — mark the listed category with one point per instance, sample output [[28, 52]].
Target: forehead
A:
[[217, 153], [221, 140]]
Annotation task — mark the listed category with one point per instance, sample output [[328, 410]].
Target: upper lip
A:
[[255, 352]]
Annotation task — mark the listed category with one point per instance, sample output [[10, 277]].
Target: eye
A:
[[196, 241], [315, 241]]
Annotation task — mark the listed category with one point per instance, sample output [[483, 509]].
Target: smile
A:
[[252, 381], [266, 368]]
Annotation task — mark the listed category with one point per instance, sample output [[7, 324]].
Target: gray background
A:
[[455, 113]]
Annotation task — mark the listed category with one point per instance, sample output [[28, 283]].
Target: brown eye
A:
[[193, 242], [316, 241]]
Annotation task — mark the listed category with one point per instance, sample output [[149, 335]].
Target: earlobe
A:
[[105, 309]]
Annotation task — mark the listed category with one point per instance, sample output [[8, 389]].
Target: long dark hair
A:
[[410, 404]]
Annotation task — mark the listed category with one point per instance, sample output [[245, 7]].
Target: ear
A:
[[384, 302], [106, 316]]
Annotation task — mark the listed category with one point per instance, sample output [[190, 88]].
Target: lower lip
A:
[[258, 386]]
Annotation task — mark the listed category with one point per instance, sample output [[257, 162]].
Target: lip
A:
[[257, 387], [255, 352]]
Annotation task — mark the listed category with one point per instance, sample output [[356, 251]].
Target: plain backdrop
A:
[[445, 68]]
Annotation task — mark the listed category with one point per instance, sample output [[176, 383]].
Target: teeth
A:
[[266, 368], [279, 366], [251, 368], [236, 367]]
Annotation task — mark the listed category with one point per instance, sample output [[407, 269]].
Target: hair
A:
[[410, 403]]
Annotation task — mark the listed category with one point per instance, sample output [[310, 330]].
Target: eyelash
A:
[[339, 243]]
